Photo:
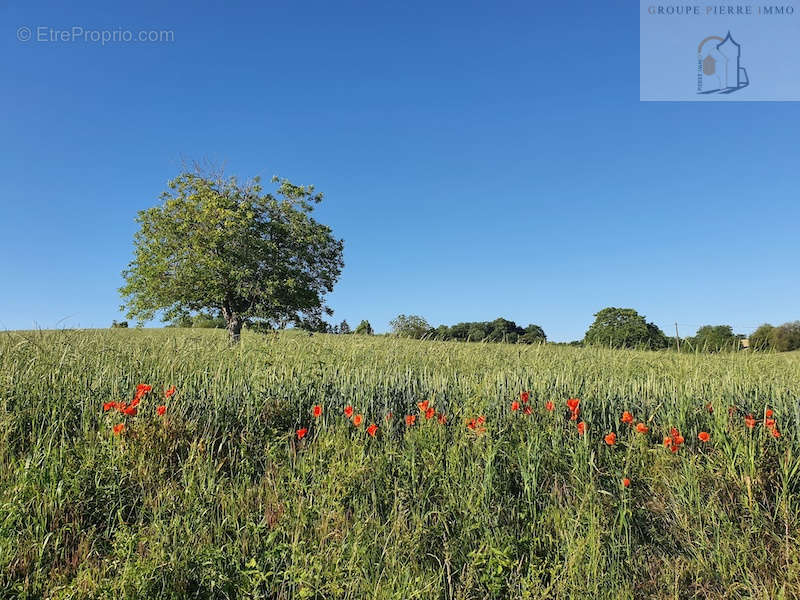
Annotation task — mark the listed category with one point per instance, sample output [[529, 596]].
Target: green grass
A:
[[218, 499]]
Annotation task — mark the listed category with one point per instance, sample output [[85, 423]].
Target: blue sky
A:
[[478, 159]]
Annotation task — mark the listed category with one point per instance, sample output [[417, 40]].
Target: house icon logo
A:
[[719, 69]]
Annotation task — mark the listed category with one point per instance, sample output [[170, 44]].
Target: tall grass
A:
[[219, 499]]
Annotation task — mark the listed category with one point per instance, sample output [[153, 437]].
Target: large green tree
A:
[[715, 338], [412, 326], [624, 328], [217, 244]]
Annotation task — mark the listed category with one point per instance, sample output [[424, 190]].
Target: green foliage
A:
[[364, 328], [715, 338], [344, 327], [119, 324], [218, 498], [624, 328], [410, 326], [216, 244], [786, 337], [499, 330], [761, 338]]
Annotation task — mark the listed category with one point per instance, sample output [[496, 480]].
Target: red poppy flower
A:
[[372, 429], [703, 436], [515, 405], [572, 403], [673, 448], [626, 482], [348, 411], [769, 412], [549, 405], [109, 405], [581, 428], [627, 417], [678, 440], [423, 406], [674, 432], [430, 413], [574, 415], [611, 438], [301, 433], [667, 442], [118, 428], [769, 423], [129, 411], [481, 420], [642, 428], [527, 410], [161, 410], [442, 419], [357, 420], [750, 421], [410, 420], [316, 411], [775, 433], [169, 392], [525, 396]]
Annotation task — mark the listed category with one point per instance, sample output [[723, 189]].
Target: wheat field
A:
[[238, 491]]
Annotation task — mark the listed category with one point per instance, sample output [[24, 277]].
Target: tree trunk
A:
[[234, 326]]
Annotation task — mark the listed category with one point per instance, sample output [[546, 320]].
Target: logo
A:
[[719, 69]]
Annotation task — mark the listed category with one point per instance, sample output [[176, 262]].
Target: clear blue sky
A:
[[479, 159]]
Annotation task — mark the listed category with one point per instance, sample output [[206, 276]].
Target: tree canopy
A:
[[364, 328], [499, 330], [624, 328], [220, 245], [715, 338]]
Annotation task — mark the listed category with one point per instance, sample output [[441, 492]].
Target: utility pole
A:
[[677, 337]]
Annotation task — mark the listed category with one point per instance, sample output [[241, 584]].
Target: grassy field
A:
[[218, 498]]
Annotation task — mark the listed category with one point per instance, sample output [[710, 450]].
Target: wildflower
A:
[[626, 482], [429, 413], [301, 433], [678, 440], [118, 428], [572, 403], [169, 392], [673, 448], [574, 415], [109, 405], [357, 420], [423, 406], [709, 408], [515, 405], [372, 429], [667, 442], [348, 411], [581, 428], [129, 411], [481, 420], [442, 419], [769, 423], [750, 421], [611, 438], [161, 410], [471, 424], [642, 428], [527, 410], [769, 413], [549, 405], [627, 417], [703, 436], [135, 402], [410, 420], [775, 433], [316, 411], [525, 397]]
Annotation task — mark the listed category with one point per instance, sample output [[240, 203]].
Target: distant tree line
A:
[[783, 338], [499, 330]]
